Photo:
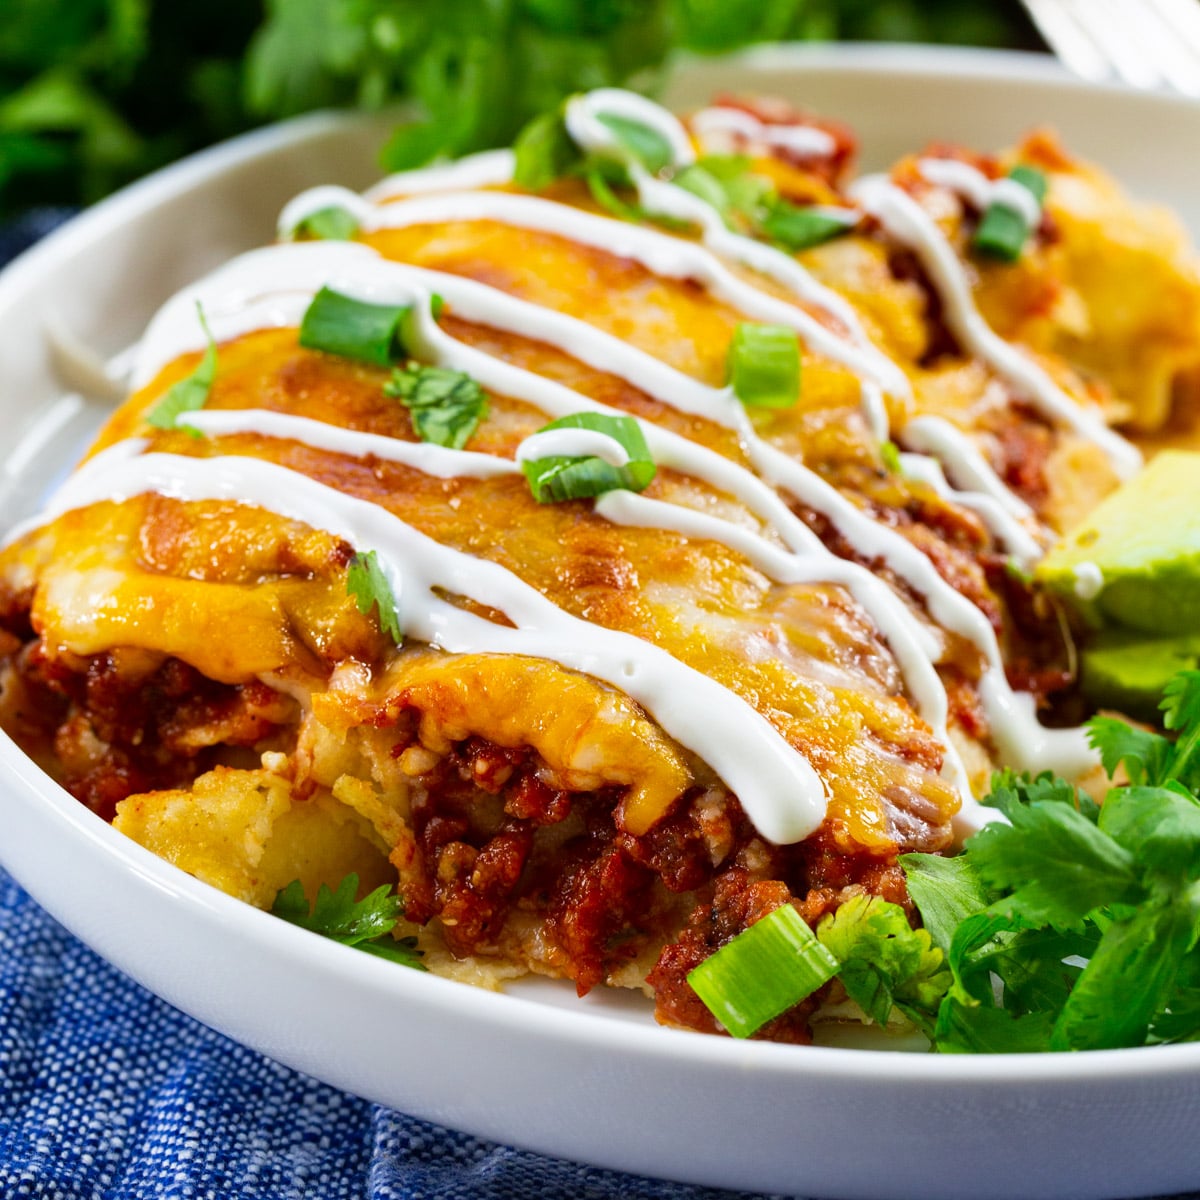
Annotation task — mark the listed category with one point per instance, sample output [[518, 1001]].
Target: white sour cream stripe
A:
[[777, 786], [905, 637], [906, 221], [660, 253], [361, 272], [982, 192], [721, 129]]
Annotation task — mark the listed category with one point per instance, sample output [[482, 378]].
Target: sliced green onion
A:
[[1002, 231], [190, 394], [795, 228], [763, 972], [645, 144], [369, 586], [764, 365], [446, 406], [1031, 179], [353, 328], [544, 152], [580, 477], [889, 453], [333, 224]]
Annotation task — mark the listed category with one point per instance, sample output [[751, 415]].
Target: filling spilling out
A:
[[647, 557]]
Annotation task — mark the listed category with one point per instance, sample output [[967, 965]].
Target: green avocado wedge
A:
[[1128, 671], [1135, 562]]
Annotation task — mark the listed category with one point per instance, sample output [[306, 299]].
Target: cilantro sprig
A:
[[1068, 926], [189, 394], [365, 924], [370, 588], [446, 406]]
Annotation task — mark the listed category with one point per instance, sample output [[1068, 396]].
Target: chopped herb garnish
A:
[[1071, 926], [794, 228], [884, 963], [762, 972], [764, 365], [353, 328], [333, 224], [365, 924], [559, 477], [369, 586], [889, 454], [446, 406], [1003, 230], [190, 394]]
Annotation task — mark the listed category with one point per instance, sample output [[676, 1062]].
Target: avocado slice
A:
[[1136, 560], [1128, 671]]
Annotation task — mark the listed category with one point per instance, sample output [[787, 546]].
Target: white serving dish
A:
[[593, 1080]]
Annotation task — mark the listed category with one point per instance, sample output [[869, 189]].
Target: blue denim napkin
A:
[[108, 1093]]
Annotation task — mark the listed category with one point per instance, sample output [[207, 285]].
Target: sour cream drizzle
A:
[[298, 270], [271, 288], [777, 786], [906, 221], [982, 192], [722, 129]]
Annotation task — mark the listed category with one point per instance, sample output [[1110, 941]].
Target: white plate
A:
[[595, 1080]]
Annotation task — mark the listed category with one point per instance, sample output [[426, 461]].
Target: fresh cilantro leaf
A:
[[446, 406], [1055, 864], [1011, 789], [365, 924], [1160, 827], [398, 950], [190, 394], [884, 961], [946, 892], [1128, 979], [975, 1028], [369, 586], [1145, 755], [1039, 967], [1181, 714]]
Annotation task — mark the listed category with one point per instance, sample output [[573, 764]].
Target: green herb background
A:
[[94, 93]]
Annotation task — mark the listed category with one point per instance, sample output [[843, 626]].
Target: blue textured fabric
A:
[[107, 1093]]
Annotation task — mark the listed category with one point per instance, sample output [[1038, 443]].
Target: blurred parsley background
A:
[[94, 93]]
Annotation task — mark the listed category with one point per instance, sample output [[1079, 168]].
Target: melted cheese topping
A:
[[774, 663]]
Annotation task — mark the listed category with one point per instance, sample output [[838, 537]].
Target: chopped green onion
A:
[[190, 394], [763, 972], [764, 365], [889, 453], [1002, 231], [446, 406], [333, 224], [580, 477], [353, 328], [369, 586], [795, 228], [644, 143], [1031, 179]]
